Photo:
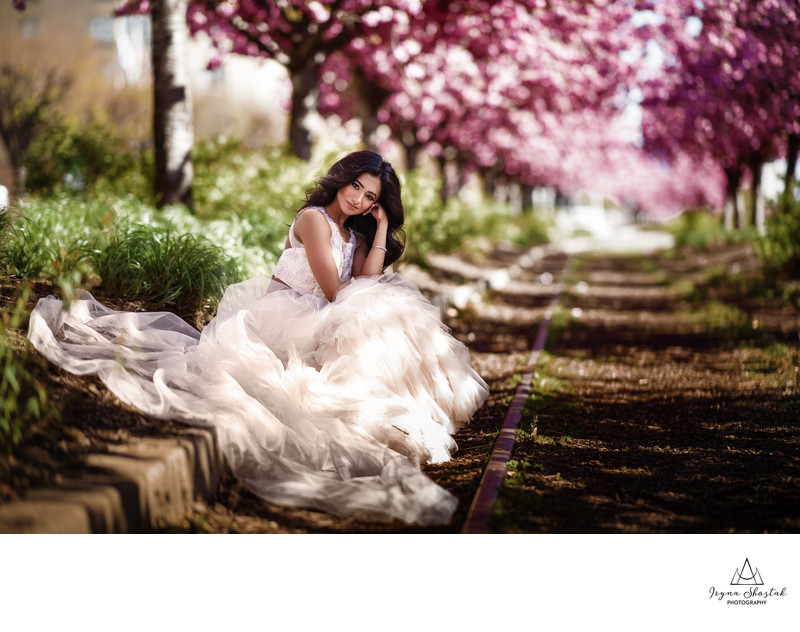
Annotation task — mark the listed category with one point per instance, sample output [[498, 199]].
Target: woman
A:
[[328, 385]]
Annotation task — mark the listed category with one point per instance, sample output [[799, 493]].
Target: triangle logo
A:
[[746, 576]]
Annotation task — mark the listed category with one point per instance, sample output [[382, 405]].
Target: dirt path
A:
[[663, 405]]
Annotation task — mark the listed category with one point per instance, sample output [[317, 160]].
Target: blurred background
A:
[[656, 106], [517, 119]]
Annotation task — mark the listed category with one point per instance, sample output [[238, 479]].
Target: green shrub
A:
[[23, 398], [779, 249], [697, 229], [49, 239], [64, 157], [161, 267], [229, 178], [459, 224]]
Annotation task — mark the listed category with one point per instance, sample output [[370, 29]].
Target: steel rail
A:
[[483, 501]]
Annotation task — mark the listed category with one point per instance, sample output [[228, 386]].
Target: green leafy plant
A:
[[244, 203], [161, 266], [43, 244], [230, 179], [5, 235], [64, 157], [780, 248], [23, 398], [458, 225]]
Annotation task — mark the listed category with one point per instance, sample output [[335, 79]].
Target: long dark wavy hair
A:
[[343, 173]]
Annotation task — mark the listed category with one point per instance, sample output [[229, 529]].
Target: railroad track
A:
[[486, 494]]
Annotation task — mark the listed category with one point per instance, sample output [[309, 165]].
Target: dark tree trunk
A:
[[731, 211], [758, 212], [461, 174], [304, 76], [792, 149], [490, 181], [370, 99], [527, 198], [444, 191], [173, 127], [412, 148]]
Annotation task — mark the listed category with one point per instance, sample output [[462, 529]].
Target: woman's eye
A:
[[355, 185]]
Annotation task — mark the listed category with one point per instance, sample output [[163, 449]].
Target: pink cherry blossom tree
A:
[[301, 36], [461, 74], [729, 90]]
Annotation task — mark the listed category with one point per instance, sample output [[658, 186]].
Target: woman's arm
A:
[[368, 261], [314, 232]]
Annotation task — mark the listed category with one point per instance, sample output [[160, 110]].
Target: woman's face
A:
[[359, 195]]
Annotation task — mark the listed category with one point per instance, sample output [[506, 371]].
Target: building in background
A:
[[243, 98], [120, 45]]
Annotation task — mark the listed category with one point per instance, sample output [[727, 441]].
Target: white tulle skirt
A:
[[332, 406]]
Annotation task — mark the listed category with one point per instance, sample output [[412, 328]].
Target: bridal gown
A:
[[326, 405]]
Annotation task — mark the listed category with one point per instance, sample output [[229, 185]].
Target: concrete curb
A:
[[145, 484]]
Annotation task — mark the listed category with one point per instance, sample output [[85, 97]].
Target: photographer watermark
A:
[[749, 589]]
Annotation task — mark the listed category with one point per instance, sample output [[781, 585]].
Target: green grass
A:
[[778, 365], [700, 229], [244, 202], [164, 267]]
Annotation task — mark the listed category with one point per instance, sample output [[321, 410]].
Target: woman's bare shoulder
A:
[[306, 223]]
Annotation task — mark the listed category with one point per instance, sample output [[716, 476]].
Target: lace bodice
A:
[[293, 267]]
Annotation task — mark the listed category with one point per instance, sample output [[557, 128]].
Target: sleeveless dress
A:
[[326, 405]]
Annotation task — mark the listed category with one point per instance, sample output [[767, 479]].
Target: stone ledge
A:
[[145, 484]]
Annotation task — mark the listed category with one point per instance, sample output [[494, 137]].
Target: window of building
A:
[[101, 30], [31, 28]]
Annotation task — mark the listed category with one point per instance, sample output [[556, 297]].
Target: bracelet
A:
[[381, 247]]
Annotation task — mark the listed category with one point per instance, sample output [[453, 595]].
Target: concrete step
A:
[[145, 484]]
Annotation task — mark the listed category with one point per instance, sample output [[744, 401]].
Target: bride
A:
[[328, 385]]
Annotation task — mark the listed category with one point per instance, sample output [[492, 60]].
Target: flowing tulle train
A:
[[332, 406]]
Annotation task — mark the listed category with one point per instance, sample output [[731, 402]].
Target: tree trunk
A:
[[304, 76], [412, 156], [444, 191], [17, 137], [527, 198], [173, 127], [792, 149], [370, 99], [731, 212], [461, 174], [411, 147], [758, 212], [491, 181]]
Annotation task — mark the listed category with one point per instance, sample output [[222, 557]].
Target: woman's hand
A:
[[378, 212], [370, 258]]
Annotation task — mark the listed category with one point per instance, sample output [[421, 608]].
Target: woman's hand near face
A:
[[369, 260], [379, 213]]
